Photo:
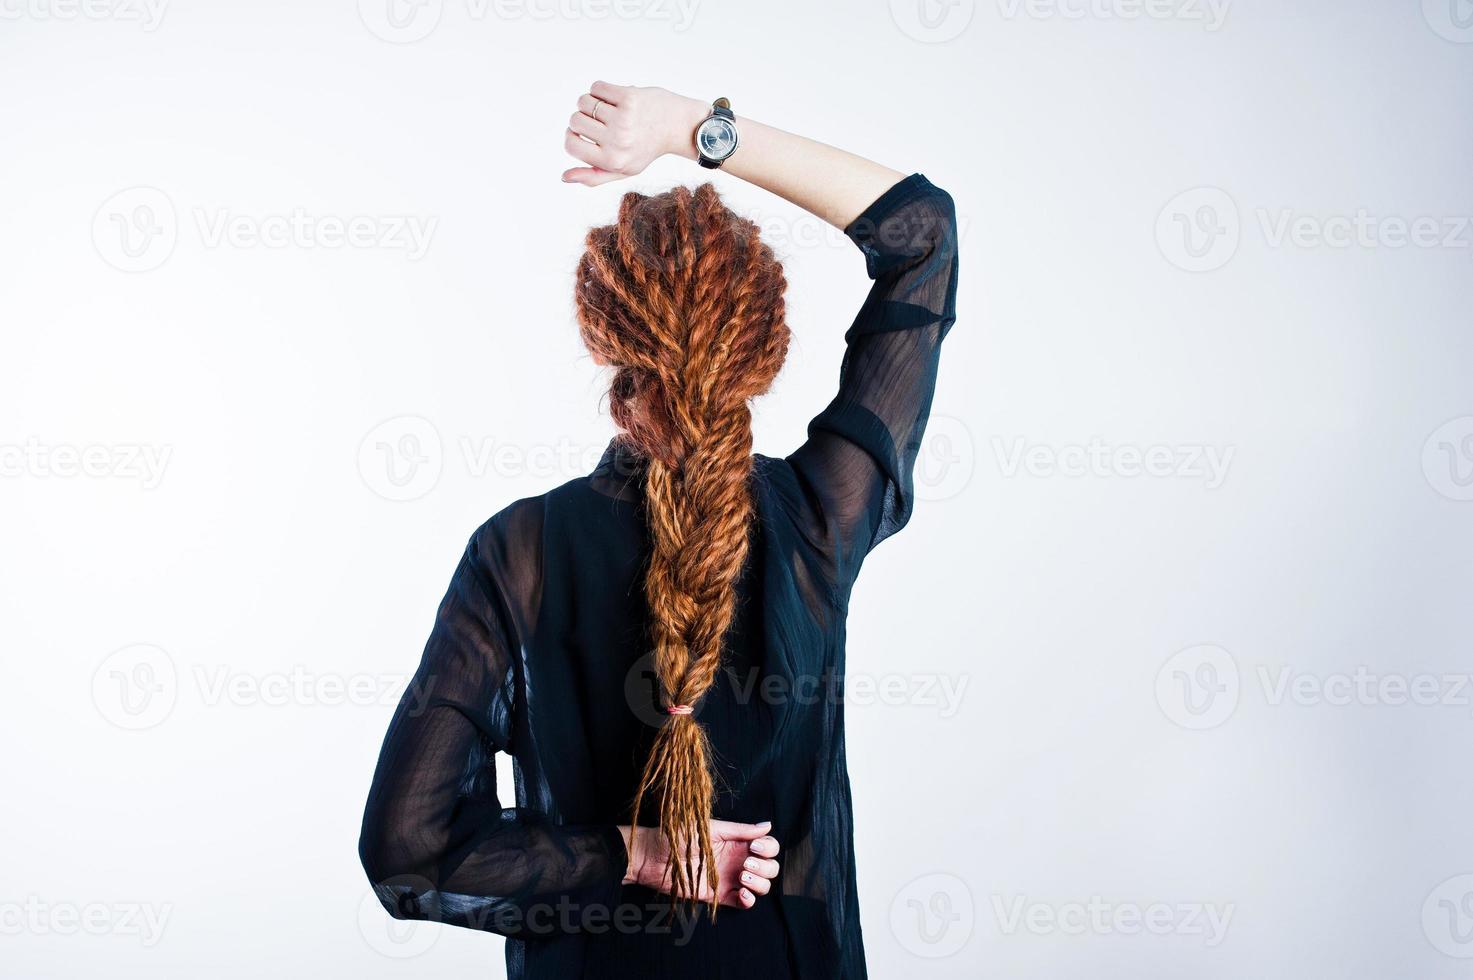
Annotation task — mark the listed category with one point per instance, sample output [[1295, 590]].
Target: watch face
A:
[[716, 138]]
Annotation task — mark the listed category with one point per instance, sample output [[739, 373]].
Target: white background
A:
[[200, 655]]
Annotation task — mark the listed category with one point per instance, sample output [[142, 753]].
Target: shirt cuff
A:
[[880, 231]]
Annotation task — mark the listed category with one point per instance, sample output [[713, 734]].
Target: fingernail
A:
[[765, 823], [750, 864]]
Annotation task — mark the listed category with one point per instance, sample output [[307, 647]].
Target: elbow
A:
[[941, 263], [372, 855], [382, 875], [942, 204], [943, 237], [402, 901], [404, 895], [398, 880], [926, 231]]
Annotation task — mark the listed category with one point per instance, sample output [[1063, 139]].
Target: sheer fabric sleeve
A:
[[436, 842], [857, 463]]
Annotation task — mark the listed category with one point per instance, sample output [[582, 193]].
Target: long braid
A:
[[683, 299]]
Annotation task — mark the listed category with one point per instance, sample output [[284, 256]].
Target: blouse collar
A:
[[620, 470]]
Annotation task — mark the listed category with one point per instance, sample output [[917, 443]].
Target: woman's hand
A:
[[619, 130], [745, 864]]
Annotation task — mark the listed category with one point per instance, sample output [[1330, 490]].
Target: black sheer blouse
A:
[[539, 651]]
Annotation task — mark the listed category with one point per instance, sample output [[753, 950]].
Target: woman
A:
[[660, 645]]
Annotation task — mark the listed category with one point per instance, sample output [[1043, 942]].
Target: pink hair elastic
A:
[[678, 709]]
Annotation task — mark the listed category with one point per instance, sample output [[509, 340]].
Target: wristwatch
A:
[[716, 136]]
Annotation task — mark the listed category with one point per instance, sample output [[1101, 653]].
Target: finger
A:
[[596, 108], [765, 847], [613, 94], [760, 866], [746, 898], [755, 883], [740, 831], [587, 126], [589, 176], [589, 153]]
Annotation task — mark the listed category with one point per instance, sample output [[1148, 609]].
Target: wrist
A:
[[628, 854], [685, 115], [632, 848]]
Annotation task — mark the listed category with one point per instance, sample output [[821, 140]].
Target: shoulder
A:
[[508, 545], [510, 528], [506, 555]]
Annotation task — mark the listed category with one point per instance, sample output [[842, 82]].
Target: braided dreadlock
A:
[[685, 302]]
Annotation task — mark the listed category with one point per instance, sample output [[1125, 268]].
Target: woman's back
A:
[[583, 709]]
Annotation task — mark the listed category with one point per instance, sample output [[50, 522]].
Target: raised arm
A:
[[857, 464], [637, 125]]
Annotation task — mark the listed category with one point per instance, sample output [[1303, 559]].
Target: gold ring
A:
[[596, 103]]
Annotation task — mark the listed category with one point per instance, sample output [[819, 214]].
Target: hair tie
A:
[[678, 709]]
